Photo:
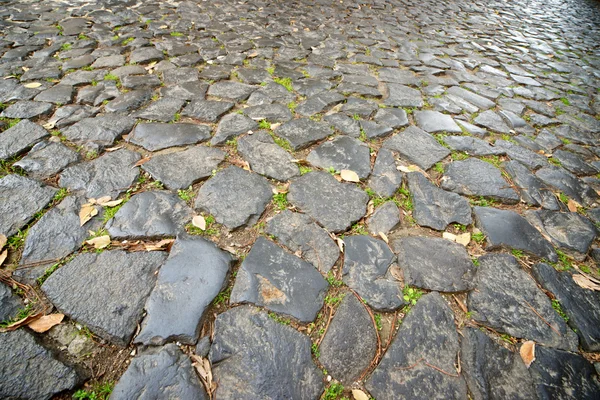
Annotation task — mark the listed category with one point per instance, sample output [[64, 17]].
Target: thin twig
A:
[[542, 318]]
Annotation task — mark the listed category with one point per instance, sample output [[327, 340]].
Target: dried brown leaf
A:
[[46, 322], [162, 245], [99, 242], [384, 237], [527, 352], [199, 222], [585, 282], [87, 212], [20, 323], [340, 244], [3, 256], [572, 205], [3, 240], [110, 203], [349, 176], [359, 395], [142, 161], [102, 199]]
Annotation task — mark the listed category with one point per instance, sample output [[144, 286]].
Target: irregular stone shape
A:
[[181, 169], [491, 371], [386, 178], [59, 94], [160, 373], [150, 215], [206, 110], [163, 110], [157, 136], [569, 231], [344, 124], [303, 132], [403, 96], [367, 270], [273, 360], [505, 299], [231, 126], [582, 306], [229, 90], [562, 375], [220, 196], [21, 199], [417, 146], [333, 204], [435, 264], [350, 342], [129, 101], [99, 131], [492, 121], [29, 371], [137, 82], [319, 102], [269, 112], [266, 157], [116, 287], [505, 228], [47, 159], [341, 153], [279, 281], [472, 129], [471, 97], [145, 55], [299, 233], [471, 145], [427, 335], [20, 137], [574, 163], [524, 156], [9, 303], [107, 175], [434, 121], [384, 219], [532, 190], [27, 109], [392, 117], [473, 177], [569, 184], [187, 283], [186, 91], [434, 207]]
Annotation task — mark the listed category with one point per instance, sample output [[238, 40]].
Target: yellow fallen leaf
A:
[[48, 125], [349, 176], [527, 352], [199, 222], [87, 212], [99, 242], [163, 244], [46, 322], [586, 282], [572, 205], [449, 236], [3, 240], [32, 85], [463, 238], [113, 203], [3, 256], [359, 395], [102, 199]]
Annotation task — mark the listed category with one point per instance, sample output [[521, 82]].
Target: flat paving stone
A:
[[471, 97], [272, 359], [472, 146], [163, 110], [10, 303], [107, 175], [231, 126], [403, 96], [116, 287], [427, 336], [219, 196], [303, 132], [435, 264], [318, 103], [162, 372], [492, 121], [157, 136], [505, 299], [434, 121], [532, 190], [27, 109], [342, 153], [269, 112], [266, 157], [47, 159], [417, 146], [392, 117], [333, 204], [569, 184], [505, 228], [206, 110], [181, 169], [20, 137], [473, 177], [434, 207], [385, 179], [344, 124], [21, 199], [187, 283], [233, 91], [129, 101], [384, 219], [299, 233], [100, 131], [367, 270]]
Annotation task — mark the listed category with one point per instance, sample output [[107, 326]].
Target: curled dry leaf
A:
[[397, 273], [110, 203], [46, 322], [572, 205], [111, 149], [586, 282], [32, 85], [20, 323], [384, 237], [162, 245], [199, 222], [349, 176], [3, 240], [142, 161], [359, 395], [3, 256], [340, 244], [99, 242], [87, 212], [102, 199], [527, 352]]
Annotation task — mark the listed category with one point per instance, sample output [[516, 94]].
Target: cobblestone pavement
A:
[[300, 199]]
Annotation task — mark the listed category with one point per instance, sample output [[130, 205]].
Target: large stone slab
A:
[[27, 109], [343, 152], [569, 184], [187, 283], [231, 126], [472, 145], [279, 281], [507, 299], [21, 199], [367, 270], [107, 175], [158, 136], [181, 169], [105, 291], [20, 137], [266, 157], [435, 121], [492, 121], [220, 196], [334, 205], [46, 159], [403, 96], [582, 306], [505, 228], [160, 373], [206, 110], [319, 102], [473, 177], [384, 219], [229, 90], [150, 215], [491, 371], [272, 360], [434, 207], [471, 97], [427, 337], [303, 132], [30, 371], [386, 178], [299, 233], [99, 132], [350, 342], [435, 264], [417, 146], [525, 156], [532, 190]]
